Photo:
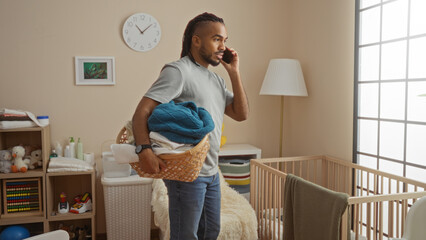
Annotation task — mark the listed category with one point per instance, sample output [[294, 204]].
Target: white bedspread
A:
[[237, 217]]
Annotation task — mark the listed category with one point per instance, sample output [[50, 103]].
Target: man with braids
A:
[[194, 207]]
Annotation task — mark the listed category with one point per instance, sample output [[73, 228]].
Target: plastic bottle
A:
[[79, 149], [72, 148], [58, 149], [43, 120], [67, 153], [53, 154]]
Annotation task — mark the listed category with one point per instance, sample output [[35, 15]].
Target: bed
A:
[[377, 206]]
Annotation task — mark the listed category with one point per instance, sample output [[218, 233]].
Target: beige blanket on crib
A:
[[310, 211]]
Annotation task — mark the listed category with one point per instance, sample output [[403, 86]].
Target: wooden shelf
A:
[[69, 173], [30, 129], [71, 216], [9, 220], [29, 174], [52, 184], [239, 150]]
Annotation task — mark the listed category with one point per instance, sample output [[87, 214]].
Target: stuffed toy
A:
[[29, 149], [5, 161], [20, 165], [35, 159]]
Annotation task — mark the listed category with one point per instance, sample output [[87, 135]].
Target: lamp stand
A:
[[281, 126]]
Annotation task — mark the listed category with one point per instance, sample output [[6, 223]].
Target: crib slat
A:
[[357, 225], [381, 220], [300, 165], [279, 207], [361, 205], [324, 172], [308, 171], [397, 212], [374, 217], [368, 183], [390, 219], [404, 214], [315, 170], [274, 179], [368, 231]]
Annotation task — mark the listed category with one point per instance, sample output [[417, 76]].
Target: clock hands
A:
[[142, 31], [146, 28], [139, 29]]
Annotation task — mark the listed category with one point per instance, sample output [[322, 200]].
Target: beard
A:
[[209, 58]]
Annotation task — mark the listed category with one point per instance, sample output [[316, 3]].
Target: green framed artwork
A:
[[94, 70]]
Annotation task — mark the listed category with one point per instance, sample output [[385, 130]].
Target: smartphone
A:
[[227, 56]]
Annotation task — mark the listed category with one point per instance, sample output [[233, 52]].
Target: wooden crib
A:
[[377, 207]]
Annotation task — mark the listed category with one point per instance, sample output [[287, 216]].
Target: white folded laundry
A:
[[164, 142], [16, 124], [21, 124], [11, 111], [68, 163], [125, 153], [67, 170]]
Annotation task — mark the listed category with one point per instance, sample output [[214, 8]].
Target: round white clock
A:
[[141, 32]]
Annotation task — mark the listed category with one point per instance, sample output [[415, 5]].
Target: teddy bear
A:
[[19, 164], [5, 161], [35, 159]]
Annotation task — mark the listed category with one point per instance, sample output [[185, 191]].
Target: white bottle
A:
[[67, 152], [72, 148], [79, 149], [58, 149]]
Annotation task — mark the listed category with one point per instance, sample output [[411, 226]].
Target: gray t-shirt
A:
[[185, 80]]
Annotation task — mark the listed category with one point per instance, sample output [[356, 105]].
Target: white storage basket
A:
[[127, 207]]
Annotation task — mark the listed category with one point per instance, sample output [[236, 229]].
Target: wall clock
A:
[[141, 32]]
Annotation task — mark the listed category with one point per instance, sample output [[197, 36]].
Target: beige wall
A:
[[321, 36], [39, 40]]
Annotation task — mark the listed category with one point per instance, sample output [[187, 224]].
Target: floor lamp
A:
[[284, 77]]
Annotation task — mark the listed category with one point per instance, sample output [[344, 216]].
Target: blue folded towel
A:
[[181, 122]]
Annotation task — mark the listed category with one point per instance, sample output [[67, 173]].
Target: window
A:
[[390, 86]]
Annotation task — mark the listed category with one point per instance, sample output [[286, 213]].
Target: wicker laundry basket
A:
[[183, 167]]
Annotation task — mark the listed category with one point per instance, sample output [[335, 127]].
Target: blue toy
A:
[[14, 233]]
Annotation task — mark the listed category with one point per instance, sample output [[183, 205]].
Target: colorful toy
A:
[[82, 204], [5, 161], [35, 159], [63, 205], [222, 138], [14, 233], [19, 165]]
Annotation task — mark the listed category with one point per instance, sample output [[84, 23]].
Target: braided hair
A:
[[192, 26]]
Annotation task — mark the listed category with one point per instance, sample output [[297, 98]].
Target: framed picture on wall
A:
[[94, 70]]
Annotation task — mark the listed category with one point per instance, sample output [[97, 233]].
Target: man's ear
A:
[[196, 41]]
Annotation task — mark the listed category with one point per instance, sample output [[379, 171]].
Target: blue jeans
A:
[[194, 208]]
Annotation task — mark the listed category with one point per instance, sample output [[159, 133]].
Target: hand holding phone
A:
[[227, 56]]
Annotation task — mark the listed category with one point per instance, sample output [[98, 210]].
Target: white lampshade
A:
[[284, 77]]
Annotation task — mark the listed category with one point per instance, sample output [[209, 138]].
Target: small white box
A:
[[112, 168], [128, 207]]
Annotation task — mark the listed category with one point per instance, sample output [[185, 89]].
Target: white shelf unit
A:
[[240, 151]]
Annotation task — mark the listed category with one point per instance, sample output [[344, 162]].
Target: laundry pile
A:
[[10, 119], [174, 128]]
